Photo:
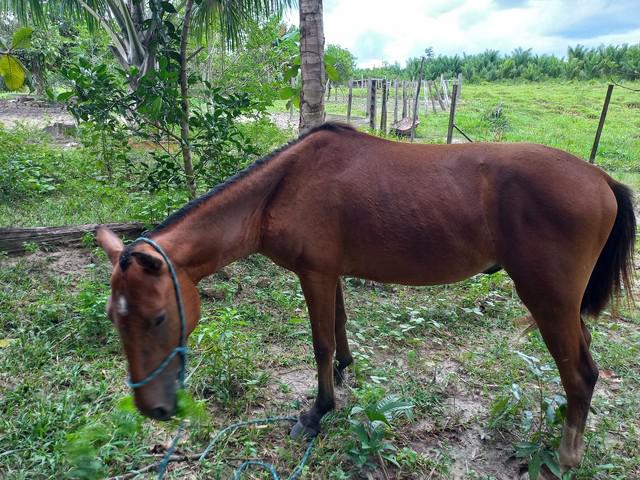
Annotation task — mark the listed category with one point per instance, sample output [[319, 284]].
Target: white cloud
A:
[[377, 31]]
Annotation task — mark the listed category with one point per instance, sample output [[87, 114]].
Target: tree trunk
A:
[[184, 102], [38, 76], [311, 64]]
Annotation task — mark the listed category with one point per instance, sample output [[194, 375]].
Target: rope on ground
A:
[[259, 463], [161, 466]]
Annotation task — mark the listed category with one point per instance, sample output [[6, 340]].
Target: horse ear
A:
[[149, 263], [110, 243]]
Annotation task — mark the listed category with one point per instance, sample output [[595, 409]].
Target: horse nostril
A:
[[161, 413]]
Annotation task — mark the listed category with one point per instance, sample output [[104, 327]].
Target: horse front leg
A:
[[320, 294]]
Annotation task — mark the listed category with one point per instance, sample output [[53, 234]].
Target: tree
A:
[[134, 26], [311, 64], [342, 60]]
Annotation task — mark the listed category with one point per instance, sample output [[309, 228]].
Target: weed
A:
[[26, 168], [542, 427], [498, 122], [370, 424], [227, 357]]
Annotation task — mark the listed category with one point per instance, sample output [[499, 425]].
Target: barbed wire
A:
[[626, 88]]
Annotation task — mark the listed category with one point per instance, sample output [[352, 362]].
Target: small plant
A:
[[498, 122], [228, 354], [88, 240], [90, 448], [544, 425], [30, 247], [370, 426]]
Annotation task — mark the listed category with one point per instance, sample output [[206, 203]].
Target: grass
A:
[[43, 184], [448, 350], [454, 353], [559, 114]]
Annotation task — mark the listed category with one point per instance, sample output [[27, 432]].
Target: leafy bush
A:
[[90, 448], [104, 439], [111, 116], [228, 355], [26, 168]]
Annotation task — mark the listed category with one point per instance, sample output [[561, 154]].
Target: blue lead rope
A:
[[182, 350], [259, 463]]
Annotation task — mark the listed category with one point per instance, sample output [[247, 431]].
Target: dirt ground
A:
[[32, 112]]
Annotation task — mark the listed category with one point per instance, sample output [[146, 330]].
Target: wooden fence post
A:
[[603, 116], [417, 101], [349, 101], [459, 85], [452, 114], [445, 93], [372, 104], [383, 109], [409, 97], [440, 97], [433, 97], [395, 102], [368, 98], [404, 99], [426, 97]]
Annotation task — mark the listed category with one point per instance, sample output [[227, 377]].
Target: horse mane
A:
[[334, 127]]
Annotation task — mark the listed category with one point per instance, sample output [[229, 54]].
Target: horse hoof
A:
[[524, 475], [300, 430]]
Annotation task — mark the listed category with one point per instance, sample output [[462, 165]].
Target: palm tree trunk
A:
[[311, 64], [184, 102]]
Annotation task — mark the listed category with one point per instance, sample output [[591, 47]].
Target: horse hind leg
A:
[[320, 295], [557, 313], [343, 353]]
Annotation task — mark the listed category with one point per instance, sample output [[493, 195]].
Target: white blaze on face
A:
[[121, 305]]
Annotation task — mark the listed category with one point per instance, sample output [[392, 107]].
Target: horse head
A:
[[144, 308]]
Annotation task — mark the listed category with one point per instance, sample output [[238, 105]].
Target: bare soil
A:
[[59, 262], [32, 112]]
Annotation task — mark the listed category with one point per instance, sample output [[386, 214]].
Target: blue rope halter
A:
[[181, 349]]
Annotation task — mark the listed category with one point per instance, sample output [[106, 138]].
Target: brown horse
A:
[[340, 202]]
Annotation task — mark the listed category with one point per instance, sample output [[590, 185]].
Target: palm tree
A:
[[133, 25], [311, 64]]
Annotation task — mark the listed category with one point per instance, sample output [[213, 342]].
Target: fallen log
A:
[[13, 240]]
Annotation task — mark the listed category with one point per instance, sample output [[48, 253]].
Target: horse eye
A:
[[159, 319]]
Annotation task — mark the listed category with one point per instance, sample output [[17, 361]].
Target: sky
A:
[[376, 31]]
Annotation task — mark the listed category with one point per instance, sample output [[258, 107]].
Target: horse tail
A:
[[613, 272]]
